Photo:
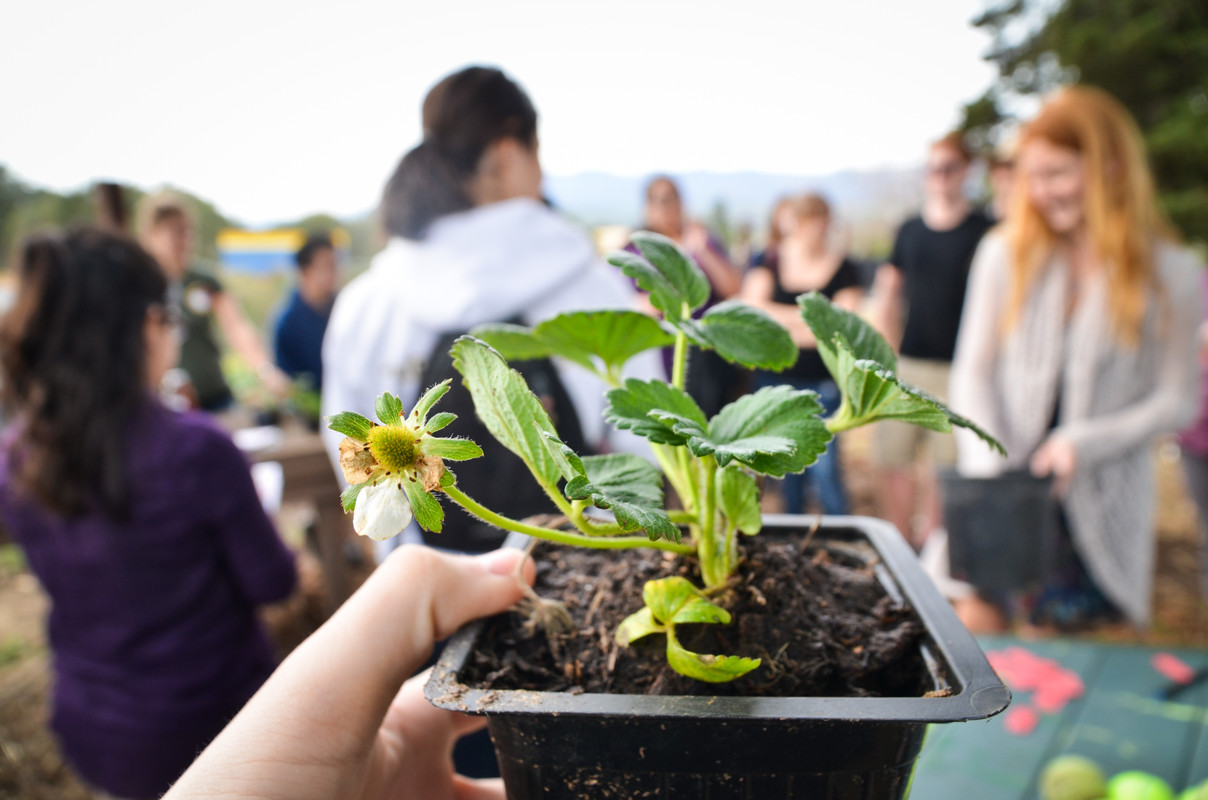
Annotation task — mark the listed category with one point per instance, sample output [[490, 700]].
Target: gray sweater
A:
[[1114, 400]]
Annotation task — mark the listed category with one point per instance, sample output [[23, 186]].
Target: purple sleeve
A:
[[263, 565]]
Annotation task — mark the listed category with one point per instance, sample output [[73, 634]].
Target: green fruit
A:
[[1071, 777], [1136, 785]]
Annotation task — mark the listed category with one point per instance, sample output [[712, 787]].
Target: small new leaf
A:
[[636, 626], [708, 668], [826, 320], [389, 409], [352, 425], [676, 285]]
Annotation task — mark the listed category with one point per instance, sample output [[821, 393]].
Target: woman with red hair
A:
[[1076, 350]]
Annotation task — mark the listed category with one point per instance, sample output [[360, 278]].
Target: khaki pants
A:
[[900, 444]]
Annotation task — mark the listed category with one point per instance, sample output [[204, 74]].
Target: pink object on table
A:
[[1053, 685], [1021, 720], [1172, 668]]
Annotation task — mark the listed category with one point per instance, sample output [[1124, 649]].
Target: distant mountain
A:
[[601, 199]]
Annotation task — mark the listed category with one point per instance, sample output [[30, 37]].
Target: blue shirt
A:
[[298, 340]]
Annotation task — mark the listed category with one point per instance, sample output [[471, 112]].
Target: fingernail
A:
[[501, 562]]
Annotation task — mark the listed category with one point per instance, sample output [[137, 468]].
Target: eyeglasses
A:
[[945, 169], [168, 315]]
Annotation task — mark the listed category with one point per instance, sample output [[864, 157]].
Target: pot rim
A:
[[976, 691]]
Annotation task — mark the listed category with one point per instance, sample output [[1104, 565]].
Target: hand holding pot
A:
[[332, 720], [1056, 457]]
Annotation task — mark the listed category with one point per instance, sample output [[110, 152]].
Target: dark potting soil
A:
[[819, 618]]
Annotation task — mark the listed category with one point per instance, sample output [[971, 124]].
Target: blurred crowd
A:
[[1064, 317]]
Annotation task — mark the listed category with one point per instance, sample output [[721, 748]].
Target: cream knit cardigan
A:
[[1114, 400]]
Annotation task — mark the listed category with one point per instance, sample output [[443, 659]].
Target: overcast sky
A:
[[278, 109]]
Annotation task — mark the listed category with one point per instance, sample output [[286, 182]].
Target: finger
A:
[[411, 713], [466, 789]]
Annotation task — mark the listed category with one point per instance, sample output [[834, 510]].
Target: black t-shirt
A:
[[810, 366], [935, 269]]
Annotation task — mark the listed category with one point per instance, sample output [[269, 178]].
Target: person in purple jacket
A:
[[142, 524]]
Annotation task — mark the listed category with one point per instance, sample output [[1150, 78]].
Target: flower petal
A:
[[382, 511]]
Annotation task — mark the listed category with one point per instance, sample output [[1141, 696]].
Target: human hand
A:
[[332, 720], [275, 381], [695, 238], [1056, 457]]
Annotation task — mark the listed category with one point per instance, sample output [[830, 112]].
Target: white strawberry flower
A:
[[382, 511]]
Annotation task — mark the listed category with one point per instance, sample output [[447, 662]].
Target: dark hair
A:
[[314, 243], [73, 355], [463, 115]]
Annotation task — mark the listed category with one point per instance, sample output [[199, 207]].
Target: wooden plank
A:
[[981, 759], [1124, 725]]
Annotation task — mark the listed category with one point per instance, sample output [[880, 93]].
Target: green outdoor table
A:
[[1120, 722]]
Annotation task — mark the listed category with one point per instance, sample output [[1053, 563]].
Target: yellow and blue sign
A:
[[268, 251]]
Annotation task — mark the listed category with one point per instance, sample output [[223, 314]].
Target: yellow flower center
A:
[[393, 447]]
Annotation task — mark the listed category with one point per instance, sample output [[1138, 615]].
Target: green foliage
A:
[[389, 409], [638, 406], [677, 287], [427, 509], [1152, 56], [738, 499], [743, 335], [350, 424]]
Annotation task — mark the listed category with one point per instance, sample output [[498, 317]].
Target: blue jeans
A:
[[824, 475]]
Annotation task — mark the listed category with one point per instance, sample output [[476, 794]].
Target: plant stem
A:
[[674, 472], [561, 537], [679, 364], [712, 563]]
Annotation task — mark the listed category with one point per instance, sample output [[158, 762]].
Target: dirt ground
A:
[[30, 767]]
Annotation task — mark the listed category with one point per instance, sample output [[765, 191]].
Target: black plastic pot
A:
[[559, 745], [1001, 530]]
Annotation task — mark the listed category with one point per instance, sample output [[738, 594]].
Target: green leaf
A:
[[427, 509], [429, 399], [350, 424], [629, 409], [506, 406], [738, 498], [874, 393], [451, 449], [773, 431], [743, 335], [826, 320], [669, 275], [348, 497], [614, 337], [389, 409], [637, 625], [514, 342], [666, 596], [439, 421], [708, 668], [630, 486]]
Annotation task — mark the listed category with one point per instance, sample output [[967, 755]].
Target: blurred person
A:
[[165, 227], [471, 242], [710, 381], [1077, 349], [803, 261], [1193, 445], [925, 277], [1001, 177], [782, 218], [365, 730], [298, 332], [142, 524]]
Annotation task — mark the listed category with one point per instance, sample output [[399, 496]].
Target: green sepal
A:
[[427, 509], [351, 425], [708, 668], [348, 497], [636, 626], [738, 499], [429, 398], [451, 449], [389, 409], [439, 421], [447, 478], [630, 408]]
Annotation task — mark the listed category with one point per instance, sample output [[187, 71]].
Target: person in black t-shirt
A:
[[803, 262], [925, 278]]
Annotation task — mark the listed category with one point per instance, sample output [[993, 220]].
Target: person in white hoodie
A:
[[471, 241]]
